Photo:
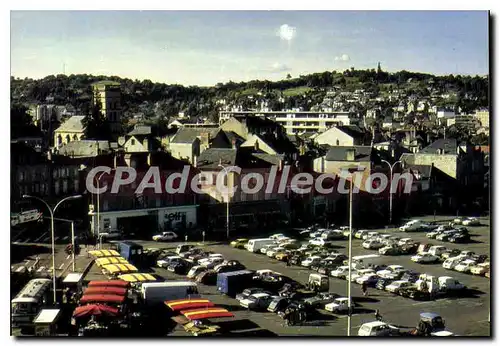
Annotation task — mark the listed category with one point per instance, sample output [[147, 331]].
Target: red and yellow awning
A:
[[188, 304], [199, 314]]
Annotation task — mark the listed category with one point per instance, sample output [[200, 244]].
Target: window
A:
[[132, 141]]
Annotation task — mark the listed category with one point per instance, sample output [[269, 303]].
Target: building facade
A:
[[107, 96]]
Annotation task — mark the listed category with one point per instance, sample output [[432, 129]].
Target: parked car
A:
[[339, 305], [239, 243], [257, 301], [471, 221], [395, 286], [446, 235], [382, 283], [181, 267], [411, 276], [369, 279], [341, 272], [164, 262], [279, 304], [460, 238], [359, 234], [320, 242], [406, 241], [447, 284], [359, 273], [320, 300], [450, 253], [266, 248], [229, 266], [248, 292], [277, 236], [393, 271], [310, 261], [370, 235], [372, 244], [391, 250], [465, 266], [479, 258], [377, 328], [425, 258], [165, 236]]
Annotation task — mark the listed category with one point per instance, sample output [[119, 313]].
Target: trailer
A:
[[231, 283]]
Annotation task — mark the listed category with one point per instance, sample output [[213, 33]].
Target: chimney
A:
[[256, 145], [350, 154], [205, 138], [233, 143]]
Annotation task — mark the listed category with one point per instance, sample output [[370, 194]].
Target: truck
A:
[[131, 251], [231, 283], [254, 245], [368, 262], [157, 292]]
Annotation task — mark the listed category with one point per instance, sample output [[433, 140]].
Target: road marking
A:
[[25, 240], [68, 257], [61, 266], [66, 237], [40, 237], [20, 269], [46, 238], [56, 238], [27, 263], [41, 269]]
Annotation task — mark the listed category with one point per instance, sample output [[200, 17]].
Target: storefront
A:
[[146, 220]]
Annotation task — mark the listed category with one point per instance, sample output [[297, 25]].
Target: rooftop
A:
[[361, 153], [449, 146], [73, 124], [189, 134]]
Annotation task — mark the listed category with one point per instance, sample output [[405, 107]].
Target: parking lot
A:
[[466, 316]]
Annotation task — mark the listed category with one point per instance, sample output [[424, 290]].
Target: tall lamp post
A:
[[391, 167], [98, 209], [351, 170], [227, 200], [52, 211]]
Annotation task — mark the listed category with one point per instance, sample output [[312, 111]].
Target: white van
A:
[[254, 245], [367, 262], [158, 292]]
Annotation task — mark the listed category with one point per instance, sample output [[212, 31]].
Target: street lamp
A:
[[52, 211], [391, 167], [227, 200], [351, 170], [98, 208]]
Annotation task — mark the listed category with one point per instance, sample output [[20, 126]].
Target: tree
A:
[[20, 121], [95, 124], [288, 76]]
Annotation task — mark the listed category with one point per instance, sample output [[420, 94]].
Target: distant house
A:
[[70, 130], [461, 162], [190, 142], [340, 158], [245, 125], [84, 148], [141, 139], [343, 136]]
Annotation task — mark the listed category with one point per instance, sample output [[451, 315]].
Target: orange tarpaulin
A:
[[199, 314], [188, 304], [113, 283]]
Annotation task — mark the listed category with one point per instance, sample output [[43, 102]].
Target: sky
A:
[[208, 47]]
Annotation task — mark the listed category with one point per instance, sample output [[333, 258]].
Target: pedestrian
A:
[[364, 288], [378, 317], [288, 261]]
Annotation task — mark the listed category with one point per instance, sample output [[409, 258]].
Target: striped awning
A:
[[188, 304], [137, 277], [104, 253], [199, 314], [119, 268], [110, 260]]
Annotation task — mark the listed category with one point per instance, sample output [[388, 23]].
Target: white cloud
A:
[[280, 67], [343, 57], [286, 32]]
